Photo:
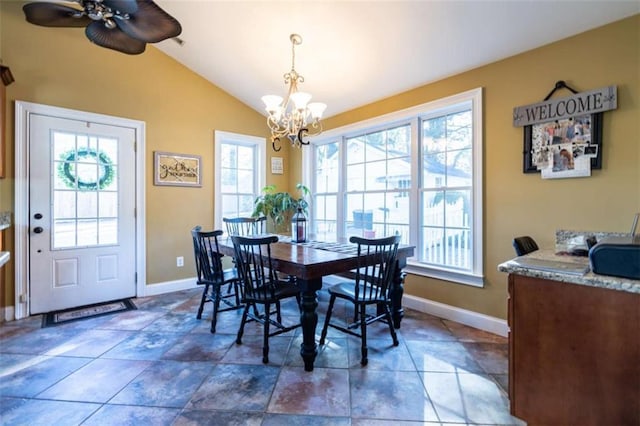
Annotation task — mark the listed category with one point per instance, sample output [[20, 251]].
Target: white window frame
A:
[[413, 115], [259, 143]]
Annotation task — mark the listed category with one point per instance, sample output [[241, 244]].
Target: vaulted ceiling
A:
[[357, 52]]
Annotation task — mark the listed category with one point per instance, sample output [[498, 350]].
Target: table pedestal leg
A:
[[309, 320]]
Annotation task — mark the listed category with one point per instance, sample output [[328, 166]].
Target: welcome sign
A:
[[583, 103]]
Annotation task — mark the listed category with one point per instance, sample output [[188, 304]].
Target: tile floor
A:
[[159, 365]]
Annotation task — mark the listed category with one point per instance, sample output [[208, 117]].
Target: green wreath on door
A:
[[66, 169]]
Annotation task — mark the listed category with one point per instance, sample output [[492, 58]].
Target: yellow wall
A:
[[517, 203], [60, 67]]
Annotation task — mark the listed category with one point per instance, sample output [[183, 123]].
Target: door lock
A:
[[38, 229], [38, 215]]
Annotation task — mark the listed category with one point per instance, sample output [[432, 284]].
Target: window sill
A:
[[445, 275]]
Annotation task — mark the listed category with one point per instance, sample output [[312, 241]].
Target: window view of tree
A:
[[447, 186]]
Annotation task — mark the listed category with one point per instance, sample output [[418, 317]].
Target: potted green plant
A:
[[278, 207]]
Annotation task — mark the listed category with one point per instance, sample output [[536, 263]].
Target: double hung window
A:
[[239, 174], [416, 173]]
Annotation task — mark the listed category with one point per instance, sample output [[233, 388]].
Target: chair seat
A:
[[347, 290], [283, 289]]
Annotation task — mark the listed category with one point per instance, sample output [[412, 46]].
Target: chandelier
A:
[[294, 118]]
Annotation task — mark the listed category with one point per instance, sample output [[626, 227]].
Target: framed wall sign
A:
[[579, 136], [277, 165], [171, 169]]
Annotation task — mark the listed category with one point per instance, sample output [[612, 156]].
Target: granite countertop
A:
[[4, 257], [588, 279], [5, 220]]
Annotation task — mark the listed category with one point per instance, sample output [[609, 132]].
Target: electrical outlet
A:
[[179, 261]]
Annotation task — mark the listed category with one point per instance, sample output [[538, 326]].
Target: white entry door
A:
[[81, 213]]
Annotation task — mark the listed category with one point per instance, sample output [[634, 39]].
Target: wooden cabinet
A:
[[574, 353]]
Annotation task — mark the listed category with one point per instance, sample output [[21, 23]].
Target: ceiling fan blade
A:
[[114, 39], [122, 6], [150, 23], [54, 15]]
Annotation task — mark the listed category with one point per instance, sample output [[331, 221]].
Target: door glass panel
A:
[[87, 204], [87, 232], [107, 204], [64, 203], [108, 231], [64, 233], [85, 184]]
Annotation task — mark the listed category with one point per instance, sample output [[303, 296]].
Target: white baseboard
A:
[[463, 316], [7, 313], [170, 286]]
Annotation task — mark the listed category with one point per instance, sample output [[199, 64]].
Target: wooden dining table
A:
[[311, 261]]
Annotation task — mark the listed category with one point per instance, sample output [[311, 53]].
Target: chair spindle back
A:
[[253, 260], [376, 267]]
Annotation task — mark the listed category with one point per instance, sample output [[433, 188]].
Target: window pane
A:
[[109, 147], [112, 184], [433, 208], [458, 249], [229, 155], [459, 168], [434, 134], [355, 150], [108, 231], [355, 177], [237, 179], [459, 128], [457, 209], [64, 204], [245, 205], [245, 181], [87, 232], [245, 157], [399, 173], [64, 233], [399, 142], [376, 176], [87, 204], [87, 175], [229, 180], [229, 205], [433, 247], [65, 145], [375, 147], [434, 172], [107, 204], [327, 168]]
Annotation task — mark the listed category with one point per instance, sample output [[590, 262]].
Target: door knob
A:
[[38, 215], [38, 229]]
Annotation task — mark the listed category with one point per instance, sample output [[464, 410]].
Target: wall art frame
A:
[[541, 136], [172, 169]]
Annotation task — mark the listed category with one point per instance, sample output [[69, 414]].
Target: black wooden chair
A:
[[211, 274], [372, 286], [245, 225], [261, 286], [524, 245]]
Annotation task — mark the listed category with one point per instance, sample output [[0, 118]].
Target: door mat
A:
[[84, 312]]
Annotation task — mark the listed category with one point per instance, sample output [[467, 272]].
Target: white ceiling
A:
[[357, 52]]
